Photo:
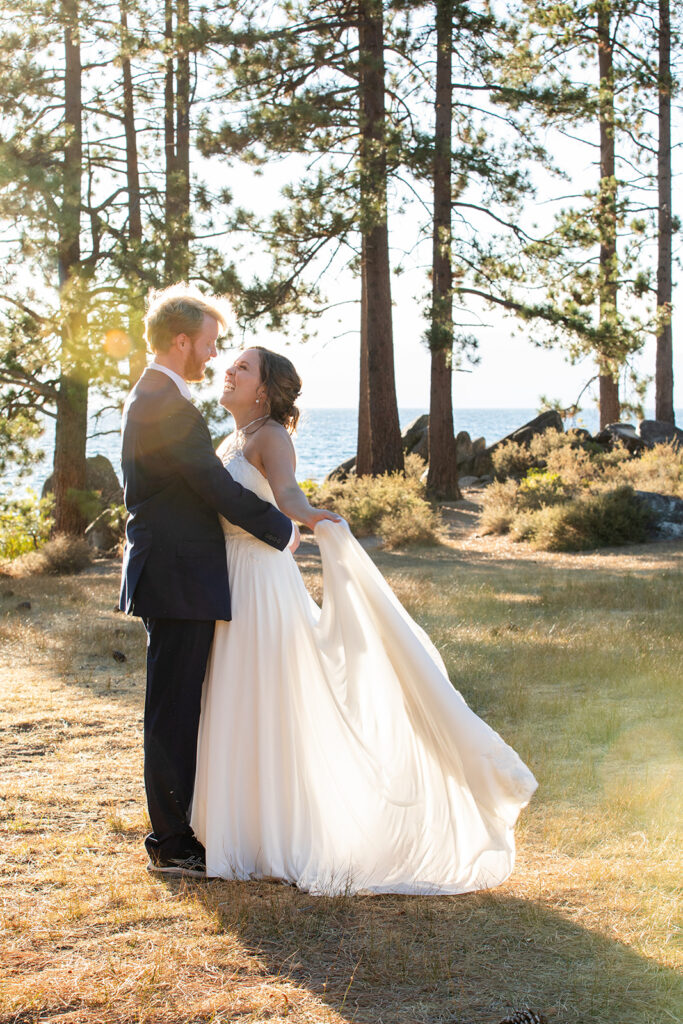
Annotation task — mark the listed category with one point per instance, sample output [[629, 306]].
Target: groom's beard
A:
[[194, 366]]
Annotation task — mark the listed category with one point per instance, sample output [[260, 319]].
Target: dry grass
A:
[[575, 659]]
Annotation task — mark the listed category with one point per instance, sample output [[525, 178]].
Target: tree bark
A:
[[379, 435], [442, 475], [664, 373], [169, 141], [137, 357], [177, 141], [71, 427], [607, 221], [183, 118]]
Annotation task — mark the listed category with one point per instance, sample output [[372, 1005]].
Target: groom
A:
[[175, 574]]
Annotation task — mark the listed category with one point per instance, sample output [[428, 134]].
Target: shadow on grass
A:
[[465, 959]]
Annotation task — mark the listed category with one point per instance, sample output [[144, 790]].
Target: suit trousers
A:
[[177, 655]]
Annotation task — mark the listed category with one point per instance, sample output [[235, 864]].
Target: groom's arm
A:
[[190, 448]]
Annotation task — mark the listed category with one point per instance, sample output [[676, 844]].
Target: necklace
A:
[[243, 430], [241, 435]]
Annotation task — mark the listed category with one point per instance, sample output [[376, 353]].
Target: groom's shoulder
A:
[[156, 395]]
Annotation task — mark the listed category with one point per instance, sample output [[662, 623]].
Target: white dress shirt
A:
[[185, 392], [180, 381]]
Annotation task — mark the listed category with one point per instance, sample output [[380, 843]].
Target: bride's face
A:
[[242, 385]]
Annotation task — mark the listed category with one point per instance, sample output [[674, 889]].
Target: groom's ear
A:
[[181, 341]]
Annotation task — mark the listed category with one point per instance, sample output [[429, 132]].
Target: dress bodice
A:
[[243, 472]]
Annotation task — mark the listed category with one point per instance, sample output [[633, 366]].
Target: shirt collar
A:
[[176, 378]]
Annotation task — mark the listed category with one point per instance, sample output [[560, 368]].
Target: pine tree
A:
[[591, 257], [442, 478], [664, 378], [311, 83], [379, 436]]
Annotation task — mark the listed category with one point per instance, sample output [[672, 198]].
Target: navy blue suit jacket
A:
[[174, 563]]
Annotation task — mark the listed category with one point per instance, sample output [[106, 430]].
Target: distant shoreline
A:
[[327, 436]]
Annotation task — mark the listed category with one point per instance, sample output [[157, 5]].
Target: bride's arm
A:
[[276, 452]]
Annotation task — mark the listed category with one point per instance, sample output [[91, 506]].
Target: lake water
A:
[[326, 437]]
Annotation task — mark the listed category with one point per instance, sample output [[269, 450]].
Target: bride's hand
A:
[[318, 514]]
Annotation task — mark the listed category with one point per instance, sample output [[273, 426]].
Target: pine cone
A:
[[525, 1017]]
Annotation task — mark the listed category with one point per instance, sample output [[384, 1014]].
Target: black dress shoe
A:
[[181, 867]]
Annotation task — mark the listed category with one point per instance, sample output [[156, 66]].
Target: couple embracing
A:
[[320, 747]]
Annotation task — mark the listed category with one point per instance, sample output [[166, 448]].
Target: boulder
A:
[[106, 532], [415, 434], [482, 464], [469, 481], [549, 420], [415, 441], [666, 512], [99, 476], [624, 432], [343, 471], [581, 434], [654, 432], [421, 448], [463, 446]]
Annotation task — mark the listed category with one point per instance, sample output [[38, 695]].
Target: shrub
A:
[[657, 469], [416, 523], [611, 517], [64, 555], [499, 502], [540, 488], [511, 460], [582, 499], [393, 505], [25, 524]]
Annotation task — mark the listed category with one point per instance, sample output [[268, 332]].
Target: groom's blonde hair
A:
[[180, 309]]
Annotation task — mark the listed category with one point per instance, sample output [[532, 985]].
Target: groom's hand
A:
[[295, 540]]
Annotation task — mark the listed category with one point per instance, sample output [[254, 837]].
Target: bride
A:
[[334, 753]]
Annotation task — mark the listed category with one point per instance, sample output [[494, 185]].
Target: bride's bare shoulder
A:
[[275, 438], [276, 432]]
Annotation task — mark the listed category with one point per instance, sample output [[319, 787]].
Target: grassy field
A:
[[576, 660]]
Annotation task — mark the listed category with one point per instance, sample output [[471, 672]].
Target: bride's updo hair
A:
[[282, 385]]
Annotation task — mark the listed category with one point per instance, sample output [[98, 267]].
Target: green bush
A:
[[512, 460], [393, 506], [540, 488], [609, 518], [25, 524], [499, 506], [657, 469], [574, 495]]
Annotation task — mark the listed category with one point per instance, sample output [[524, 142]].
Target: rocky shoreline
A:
[[475, 469], [475, 465]]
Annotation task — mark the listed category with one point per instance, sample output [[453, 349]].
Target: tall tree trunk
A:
[[442, 476], [364, 447], [177, 140], [183, 135], [607, 220], [137, 358], [664, 371], [71, 426], [381, 451], [169, 142]]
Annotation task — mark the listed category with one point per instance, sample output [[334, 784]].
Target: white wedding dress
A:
[[334, 753]]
